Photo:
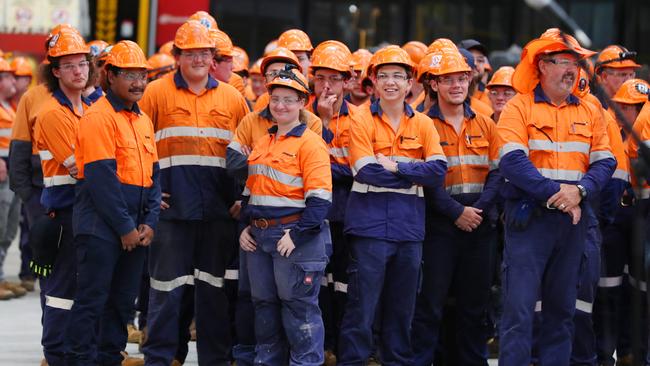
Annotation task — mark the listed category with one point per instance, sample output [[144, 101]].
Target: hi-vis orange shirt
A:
[[237, 82], [26, 112], [55, 132], [7, 116], [382, 204], [642, 129], [544, 145], [192, 133], [118, 170]]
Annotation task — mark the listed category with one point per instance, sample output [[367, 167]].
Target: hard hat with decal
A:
[[97, 46], [127, 54], [204, 18], [67, 42], [448, 61], [192, 35], [292, 78], [617, 57], [280, 54], [633, 91]]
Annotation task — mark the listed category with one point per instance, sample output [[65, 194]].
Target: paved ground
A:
[[20, 327]]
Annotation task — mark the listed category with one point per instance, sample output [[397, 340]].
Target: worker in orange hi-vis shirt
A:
[[271, 64], [357, 94], [614, 66], [115, 211], [500, 90], [394, 152], [194, 117], [256, 82], [24, 74], [222, 62]]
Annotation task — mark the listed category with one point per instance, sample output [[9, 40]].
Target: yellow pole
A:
[[143, 25]]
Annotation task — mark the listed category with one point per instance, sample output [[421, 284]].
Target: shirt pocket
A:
[[383, 147], [125, 154], [580, 131]]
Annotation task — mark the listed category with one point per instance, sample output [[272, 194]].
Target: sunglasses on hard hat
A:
[[287, 74], [622, 56]]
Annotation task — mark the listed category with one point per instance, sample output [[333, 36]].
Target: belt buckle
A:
[[262, 224], [550, 207]]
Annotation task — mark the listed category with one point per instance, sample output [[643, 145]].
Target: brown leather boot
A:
[[6, 294], [135, 336], [16, 288]]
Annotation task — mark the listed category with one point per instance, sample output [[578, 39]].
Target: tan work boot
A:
[[44, 362], [133, 361], [28, 284], [143, 339], [135, 336], [16, 288], [330, 358], [626, 360], [176, 363], [6, 294]]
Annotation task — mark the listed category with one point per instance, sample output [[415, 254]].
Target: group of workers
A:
[[322, 206]]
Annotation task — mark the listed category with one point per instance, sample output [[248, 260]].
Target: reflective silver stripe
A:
[[235, 146], [58, 302], [167, 286], [403, 159], [600, 155], [365, 188], [246, 192], [639, 285], [538, 306], [642, 193], [69, 161], [621, 174], [584, 306], [207, 132], [5, 132], [58, 180], [510, 147], [330, 278], [363, 162], [610, 281], [323, 281], [341, 287], [4, 153], [467, 160], [208, 278], [465, 188], [45, 155], [274, 201], [231, 274], [435, 157], [319, 193], [276, 175], [200, 160], [494, 164], [339, 152], [647, 143], [569, 146], [558, 174]]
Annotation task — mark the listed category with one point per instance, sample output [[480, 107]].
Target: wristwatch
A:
[[583, 191]]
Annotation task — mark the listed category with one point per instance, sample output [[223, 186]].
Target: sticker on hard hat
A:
[[582, 84], [53, 40], [205, 22], [435, 60], [94, 50], [642, 88]]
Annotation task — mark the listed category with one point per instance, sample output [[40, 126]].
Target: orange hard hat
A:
[[293, 79], [21, 66], [441, 43], [204, 18], [67, 42], [273, 44], [502, 77], [193, 34], [333, 43], [222, 42], [416, 50], [633, 91], [280, 54], [581, 88], [240, 59], [331, 57], [360, 59], [104, 54], [257, 67], [161, 63], [127, 54], [166, 47], [390, 55], [5, 66], [425, 65], [97, 46], [295, 40], [57, 28], [617, 57], [448, 61]]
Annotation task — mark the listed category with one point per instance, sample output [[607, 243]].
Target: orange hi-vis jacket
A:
[[251, 128], [544, 145], [337, 137], [642, 129], [55, 133], [383, 204], [192, 133], [289, 175], [481, 107], [472, 158], [7, 116], [116, 156], [237, 82], [261, 102]]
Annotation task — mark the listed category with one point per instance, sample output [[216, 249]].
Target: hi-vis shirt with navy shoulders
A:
[[473, 178], [337, 137], [7, 116], [55, 134], [116, 156], [382, 204], [192, 133], [642, 129], [543, 145], [289, 175]]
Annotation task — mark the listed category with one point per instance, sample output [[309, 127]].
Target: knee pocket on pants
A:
[[306, 278]]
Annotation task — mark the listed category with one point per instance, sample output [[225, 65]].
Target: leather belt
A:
[[267, 223]]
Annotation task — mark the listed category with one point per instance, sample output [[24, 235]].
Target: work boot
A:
[[44, 362], [330, 358], [135, 336], [193, 331], [176, 363], [372, 361], [28, 283], [143, 338], [16, 288], [133, 361], [626, 360], [6, 294]]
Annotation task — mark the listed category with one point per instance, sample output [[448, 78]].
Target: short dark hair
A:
[[52, 82], [409, 71]]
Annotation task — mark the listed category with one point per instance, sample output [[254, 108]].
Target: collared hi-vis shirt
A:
[[543, 145], [642, 129], [116, 156], [337, 137], [55, 133], [192, 133], [289, 175], [7, 116], [383, 204], [473, 177]]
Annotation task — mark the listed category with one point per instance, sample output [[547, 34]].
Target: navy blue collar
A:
[[434, 111], [602, 101], [296, 131], [118, 104], [60, 96], [344, 107], [375, 108], [96, 94], [182, 84], [480, 86], [266, 113], [420, 107], [540, 97]]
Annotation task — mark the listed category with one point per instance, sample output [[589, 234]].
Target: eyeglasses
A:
[[70, 67], [133, 75], [201, 55], [622, 74], [272, 75], [505, 93], [286, 101], [564, 63], [397, 77], [450, 80], [480, 59], [334, 79]]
